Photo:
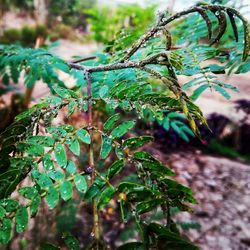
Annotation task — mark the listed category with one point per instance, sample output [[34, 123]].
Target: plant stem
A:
[[96, 227]]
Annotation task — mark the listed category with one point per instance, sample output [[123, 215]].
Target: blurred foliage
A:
[[116, 27], [26, 36], [70, 12]]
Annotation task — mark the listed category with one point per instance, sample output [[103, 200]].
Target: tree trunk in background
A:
[[41, 11]]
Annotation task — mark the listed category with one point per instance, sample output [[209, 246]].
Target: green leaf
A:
[[5, 231], [222, 91], [66, 190], [45, 141], [9, 205], [92, 191], [106, 146], [110, 123], [115, 168], [21, 219], [71, 242], [56, 175], [152, 164], [199, 91], [62, 92], [42, 179], [243, 68], [147, 206], [105, 197], [71, 108], [60, 155], [169, 239], [71, 167], [28, 192], [103, 92], [137, 142], [75, 147], [48, 163], [81, 183], [52, 197], [2, 212], [34, 206], [122, 129], [83, 135]]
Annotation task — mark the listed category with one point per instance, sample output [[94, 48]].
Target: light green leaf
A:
[[103, 92], [60, 155], [222, 91], [71, 167], [75, 147], [66, 190], [81, 183], [83, 135]]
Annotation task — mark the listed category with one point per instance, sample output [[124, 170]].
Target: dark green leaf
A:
[[71, 242], [137, 142], [35, 202], [147, 206], [21, 219], [52, 197], [106, 146], [110, 123], [5, 231], [93, 191], [105, 197], [115, 168], [2, 212], [152, 164], [132, 246], [122, 129]]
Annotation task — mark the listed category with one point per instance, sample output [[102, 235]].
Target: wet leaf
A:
[[106, 146], [60, 155], [66, 190], [81, 183], [52, 197]]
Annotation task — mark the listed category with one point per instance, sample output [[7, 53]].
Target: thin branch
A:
[[96, 226]]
